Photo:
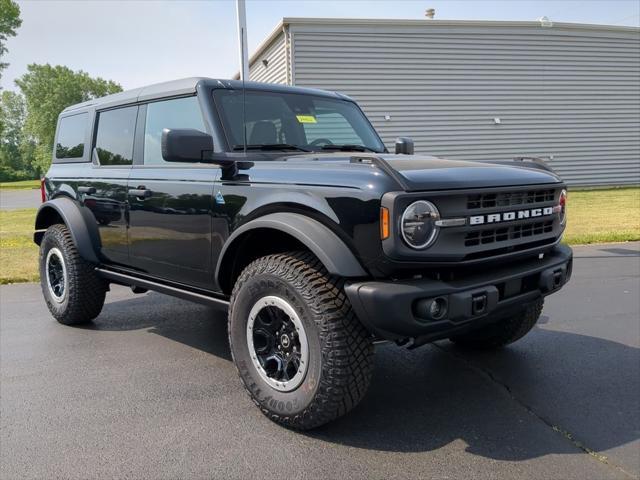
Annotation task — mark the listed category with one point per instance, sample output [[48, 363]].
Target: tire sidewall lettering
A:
[[283, 403]]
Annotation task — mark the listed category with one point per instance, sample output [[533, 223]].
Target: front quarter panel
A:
[[344, 197]]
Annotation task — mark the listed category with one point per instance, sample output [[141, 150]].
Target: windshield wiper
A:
[[349, 148], [271, 146]]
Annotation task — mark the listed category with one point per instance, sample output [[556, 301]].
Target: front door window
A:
[[178, 113]]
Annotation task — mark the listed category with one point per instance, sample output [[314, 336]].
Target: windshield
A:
[[290, 121]]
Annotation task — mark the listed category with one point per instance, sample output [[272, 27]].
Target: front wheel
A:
[[72, 290], [302, 354], [504, 331]]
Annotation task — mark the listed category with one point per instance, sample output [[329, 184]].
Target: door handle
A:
[[140, 192], [87, 190]]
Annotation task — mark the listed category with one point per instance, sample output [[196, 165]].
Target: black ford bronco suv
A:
[[283, 205]]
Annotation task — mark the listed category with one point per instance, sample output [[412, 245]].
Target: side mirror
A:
[[186, 145], [404, 146]]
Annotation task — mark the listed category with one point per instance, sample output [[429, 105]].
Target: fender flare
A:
[[334, 254], [80, 222]]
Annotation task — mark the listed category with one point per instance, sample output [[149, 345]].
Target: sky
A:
[[139, 42]]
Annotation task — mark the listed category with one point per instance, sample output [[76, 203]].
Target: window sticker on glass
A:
[[306, 119]]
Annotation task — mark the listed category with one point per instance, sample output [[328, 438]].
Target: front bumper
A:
[[395, 310]]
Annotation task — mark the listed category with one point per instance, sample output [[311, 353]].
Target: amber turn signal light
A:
[[384, 223]]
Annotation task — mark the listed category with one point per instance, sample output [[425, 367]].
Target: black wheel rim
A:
[[56, 273], [277, 343]]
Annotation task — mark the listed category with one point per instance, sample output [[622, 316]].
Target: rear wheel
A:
[[302, 354], [72, 290], [503, 332]]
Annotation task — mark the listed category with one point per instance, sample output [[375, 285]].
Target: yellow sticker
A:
[[306, 118]]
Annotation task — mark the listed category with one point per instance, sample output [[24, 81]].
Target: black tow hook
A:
[[557, 279], [553, 279], [479, 304]]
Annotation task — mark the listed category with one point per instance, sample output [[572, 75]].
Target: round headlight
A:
[[418, 224]]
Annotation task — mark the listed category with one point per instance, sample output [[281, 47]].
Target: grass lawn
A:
[[595, 216], [21, 185], [599, 216], [18, 253]]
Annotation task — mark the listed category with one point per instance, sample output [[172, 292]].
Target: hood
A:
[[409, 172], [423, 172]]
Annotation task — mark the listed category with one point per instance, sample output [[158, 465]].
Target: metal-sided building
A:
[[478, 90]]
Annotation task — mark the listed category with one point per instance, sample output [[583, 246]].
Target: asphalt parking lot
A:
[[149, 391], [12, 199]]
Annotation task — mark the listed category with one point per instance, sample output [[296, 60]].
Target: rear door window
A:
[[176, 113], [114, 138], [71, 134]]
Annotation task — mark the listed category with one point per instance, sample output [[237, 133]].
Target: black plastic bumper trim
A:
[[387, 308]]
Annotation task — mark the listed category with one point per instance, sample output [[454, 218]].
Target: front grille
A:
[[514, 232], [493, 226], [508, 199]]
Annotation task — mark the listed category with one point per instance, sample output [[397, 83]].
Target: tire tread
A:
[[347, 347], [85, 289]]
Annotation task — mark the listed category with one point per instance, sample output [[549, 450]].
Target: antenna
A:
[[244, 63], [244, 112]]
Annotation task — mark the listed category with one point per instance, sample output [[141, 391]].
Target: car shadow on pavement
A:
[[197, 326], [502, 405]]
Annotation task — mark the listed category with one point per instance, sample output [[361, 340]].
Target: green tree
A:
[[9, 22], [48, 90], [13, 165]]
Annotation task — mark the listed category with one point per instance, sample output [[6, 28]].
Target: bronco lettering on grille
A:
[[510, 216]]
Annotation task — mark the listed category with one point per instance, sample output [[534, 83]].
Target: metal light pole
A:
[[242, 39]]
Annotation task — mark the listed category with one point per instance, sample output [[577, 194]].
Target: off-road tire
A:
[[503, 332], [340, 348], [85, 290]]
